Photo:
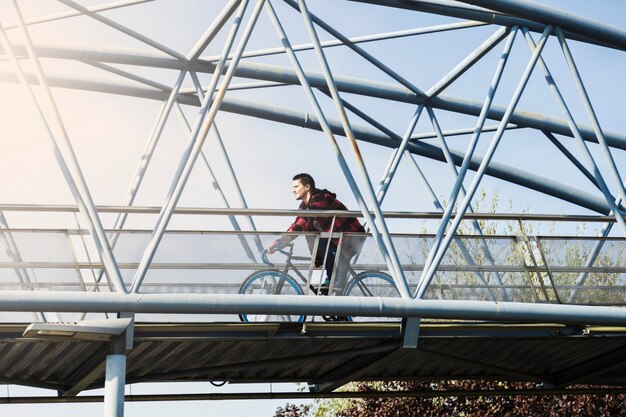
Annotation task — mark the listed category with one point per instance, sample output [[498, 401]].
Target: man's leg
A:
[[328, 262], [341, 274]]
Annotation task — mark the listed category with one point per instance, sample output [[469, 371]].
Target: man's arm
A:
[[299, 225], [308, 224]]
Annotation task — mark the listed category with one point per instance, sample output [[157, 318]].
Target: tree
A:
[[481, 406]]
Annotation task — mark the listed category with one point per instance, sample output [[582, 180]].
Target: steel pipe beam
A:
[[286, 75], [213, 30], [360, 39], [65, 15], [539, 392], [366, 55], [282, 212], [123, 29], [546, 15], [465, 11], [71, 301], [302, 119]]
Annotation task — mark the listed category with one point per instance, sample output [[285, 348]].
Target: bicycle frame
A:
[[289, 265]]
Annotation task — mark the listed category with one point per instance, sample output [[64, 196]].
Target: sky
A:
[[108, 132]]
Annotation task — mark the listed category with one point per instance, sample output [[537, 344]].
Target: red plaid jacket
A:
[[325, 200]]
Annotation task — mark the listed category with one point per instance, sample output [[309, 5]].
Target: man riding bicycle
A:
[[311, 198]]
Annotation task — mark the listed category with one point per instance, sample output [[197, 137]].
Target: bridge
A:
[[170, 282]]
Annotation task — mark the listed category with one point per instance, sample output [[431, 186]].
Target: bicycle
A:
[[279, 282]]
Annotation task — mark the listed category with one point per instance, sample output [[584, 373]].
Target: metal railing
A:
[[515, 267]]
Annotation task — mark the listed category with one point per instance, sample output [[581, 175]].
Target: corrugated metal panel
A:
[[234, 352]]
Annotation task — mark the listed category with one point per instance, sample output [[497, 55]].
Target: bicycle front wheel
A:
[[270, 283], [372, 284]]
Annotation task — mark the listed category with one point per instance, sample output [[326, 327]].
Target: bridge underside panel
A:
[[325, 353]]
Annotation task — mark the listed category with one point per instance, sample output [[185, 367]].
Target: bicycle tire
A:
[[372, 284], [270, 282]]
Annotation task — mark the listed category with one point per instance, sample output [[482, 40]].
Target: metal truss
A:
[[519, 43]]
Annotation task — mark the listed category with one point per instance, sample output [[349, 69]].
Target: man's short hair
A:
[[305, 179]]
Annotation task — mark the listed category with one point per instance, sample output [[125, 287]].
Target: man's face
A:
[[299, 190]]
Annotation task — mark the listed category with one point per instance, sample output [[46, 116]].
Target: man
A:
[[303, 188]]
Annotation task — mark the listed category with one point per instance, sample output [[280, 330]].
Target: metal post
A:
[[581, 143], [519, 240], [441, 249], [533, 259], [473, 142], [114, 384], [72, 171], [548, 270], [201, 128]]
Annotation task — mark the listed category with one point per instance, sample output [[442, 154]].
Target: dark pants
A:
[[331, 257]]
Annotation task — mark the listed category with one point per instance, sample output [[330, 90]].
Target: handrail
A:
[[60, 208]]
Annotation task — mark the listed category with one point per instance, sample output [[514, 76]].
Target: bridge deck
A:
[[326, 354]]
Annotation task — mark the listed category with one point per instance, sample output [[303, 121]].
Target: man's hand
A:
[[271, 249], [273, 246]]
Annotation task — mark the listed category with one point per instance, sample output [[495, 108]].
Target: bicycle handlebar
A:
[[278, 249], [265, 259]]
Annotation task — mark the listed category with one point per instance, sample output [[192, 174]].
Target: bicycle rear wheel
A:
[[270, 283], [372, 284]]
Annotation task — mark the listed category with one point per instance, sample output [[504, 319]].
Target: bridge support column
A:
[[115, 380]]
